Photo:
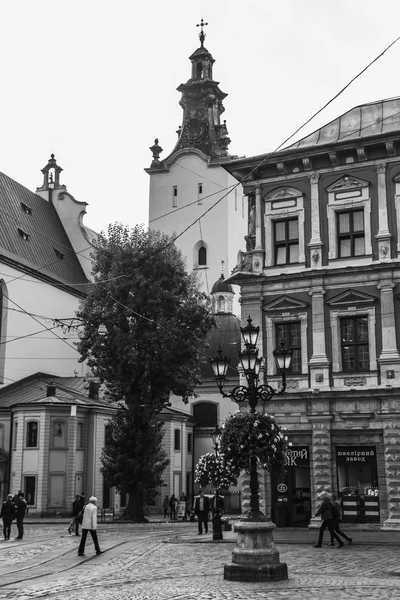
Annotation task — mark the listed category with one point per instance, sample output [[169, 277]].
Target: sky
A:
[[94, 82]]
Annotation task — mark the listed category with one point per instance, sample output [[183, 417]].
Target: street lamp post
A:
[[217, 527], [255, 557]]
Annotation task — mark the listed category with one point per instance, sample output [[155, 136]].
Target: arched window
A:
[[221, 304], [205, 414], [202, 256], [32, 428]]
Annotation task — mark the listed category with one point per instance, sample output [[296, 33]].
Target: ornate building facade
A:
[[322, 272]]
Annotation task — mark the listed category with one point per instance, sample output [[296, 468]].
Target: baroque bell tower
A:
[[202, 106]]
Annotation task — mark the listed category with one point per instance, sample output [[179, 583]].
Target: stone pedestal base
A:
[[255, 557]]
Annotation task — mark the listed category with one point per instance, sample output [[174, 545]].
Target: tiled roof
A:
[[32, 235], [363, 121], [33, 390]]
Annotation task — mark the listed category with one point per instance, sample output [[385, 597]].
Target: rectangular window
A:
[[200, 193], [189, 442], [15, 435], [177, 440], [30, 490], [354, 340], [351, 234], [80, 436], [286, 241], [290, 334], [31, 434], [175, 196]]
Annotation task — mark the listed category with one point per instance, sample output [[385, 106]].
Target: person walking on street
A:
[[165, 506], [325, 510], [201, 509], [172, 507], [7, 514], [89, 523], [336, 521], [76, 508], [21, 509]]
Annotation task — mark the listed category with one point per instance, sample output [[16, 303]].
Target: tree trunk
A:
[[135, 509]]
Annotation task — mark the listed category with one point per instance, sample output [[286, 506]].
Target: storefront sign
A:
[[282, 488], [355, 454], [298, 456]]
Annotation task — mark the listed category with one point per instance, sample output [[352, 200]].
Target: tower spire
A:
[[202, 35]]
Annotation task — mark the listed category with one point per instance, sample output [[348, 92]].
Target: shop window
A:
[[177, 440], [286, 241], [30, 490], [290, 334], [351, 236], [205, 414], [357, 475], [355, 345], [32, 434]]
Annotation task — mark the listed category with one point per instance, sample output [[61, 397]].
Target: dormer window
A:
[[27, 209], [59, 254], [25, 236]]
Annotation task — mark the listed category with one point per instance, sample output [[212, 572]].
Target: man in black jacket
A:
[[7, 514], [201, 509]]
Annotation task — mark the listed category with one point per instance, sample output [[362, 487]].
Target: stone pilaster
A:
[[315, 244], [258, 218], [321, 467], [319, 363], [383, 235], [391, 440], [389, 359]]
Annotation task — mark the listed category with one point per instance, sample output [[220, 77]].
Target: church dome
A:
[[221, 286]]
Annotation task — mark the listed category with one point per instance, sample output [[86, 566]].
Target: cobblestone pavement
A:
[[163, 562]]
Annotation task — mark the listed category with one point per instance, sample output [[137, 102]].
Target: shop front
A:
[[291, 498], [357, 477]]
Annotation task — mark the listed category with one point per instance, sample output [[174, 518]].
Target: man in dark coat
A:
[[7, 514], [201, 509], [21, 508]]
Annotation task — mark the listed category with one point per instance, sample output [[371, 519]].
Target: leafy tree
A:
[[155, 324]]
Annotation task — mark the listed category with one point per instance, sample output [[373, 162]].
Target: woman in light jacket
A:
[[89, 523]]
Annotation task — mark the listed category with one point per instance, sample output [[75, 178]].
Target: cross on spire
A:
[[202, 35]]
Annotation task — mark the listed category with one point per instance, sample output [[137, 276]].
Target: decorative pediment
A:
[[347, 182], [285, 303], [282, 193], [351, 298], [396, 178]]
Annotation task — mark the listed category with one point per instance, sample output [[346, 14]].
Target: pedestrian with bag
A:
[[7, 514], [336, 512], [325, 510], [89, 523], [21, 510], [76, 508]]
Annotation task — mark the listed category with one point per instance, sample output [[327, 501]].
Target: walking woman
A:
[[336, 521], [325, 510], [89, 523]]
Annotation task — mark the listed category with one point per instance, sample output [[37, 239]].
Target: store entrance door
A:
[[291, 495]]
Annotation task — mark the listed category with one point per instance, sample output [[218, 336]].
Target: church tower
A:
[[191, 194]]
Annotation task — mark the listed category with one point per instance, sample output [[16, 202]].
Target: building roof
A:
[[33, 390], [221, 286], [363, 121], [33, 237]]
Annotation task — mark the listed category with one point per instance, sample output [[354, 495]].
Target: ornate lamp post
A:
[[217, 528], [255, 557]]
